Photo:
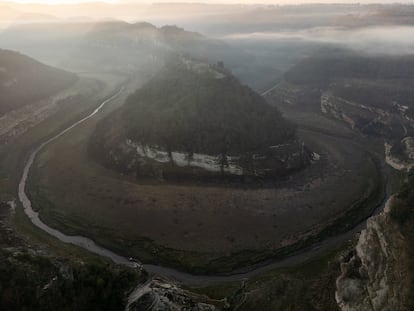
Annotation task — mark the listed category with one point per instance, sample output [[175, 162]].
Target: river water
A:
[[174, 274]]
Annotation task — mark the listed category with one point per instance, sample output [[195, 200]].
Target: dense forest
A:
[[24, 80], [203, 109]]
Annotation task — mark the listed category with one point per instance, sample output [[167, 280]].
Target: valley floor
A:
[[301, 287], [205, 229]]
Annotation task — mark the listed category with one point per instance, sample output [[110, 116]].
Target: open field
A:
[[203, 228]]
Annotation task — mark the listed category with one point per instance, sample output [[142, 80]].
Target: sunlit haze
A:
[[276, 2], [206, 155]]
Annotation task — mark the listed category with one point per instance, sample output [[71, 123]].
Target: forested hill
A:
[[332, 65], [23, 80], [367, 81], [196, 107]]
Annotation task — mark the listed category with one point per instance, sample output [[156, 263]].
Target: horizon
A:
[[239, 2]]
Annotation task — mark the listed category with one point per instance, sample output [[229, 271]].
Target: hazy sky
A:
[[214, 1]]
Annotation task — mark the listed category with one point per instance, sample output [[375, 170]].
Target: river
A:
[[174, 274]]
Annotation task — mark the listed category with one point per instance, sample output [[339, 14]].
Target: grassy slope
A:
[[24, 80]]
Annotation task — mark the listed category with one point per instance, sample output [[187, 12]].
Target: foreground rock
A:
[[158, 294], [374, 276]]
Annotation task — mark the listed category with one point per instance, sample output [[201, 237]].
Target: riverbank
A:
[[95, 225]]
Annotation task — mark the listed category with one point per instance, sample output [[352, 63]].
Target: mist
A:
[[387, 40]]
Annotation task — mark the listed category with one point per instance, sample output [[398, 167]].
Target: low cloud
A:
[[392, 40]]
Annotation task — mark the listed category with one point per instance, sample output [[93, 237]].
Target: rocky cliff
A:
[[400, 155], [375, 275], [159, 294]]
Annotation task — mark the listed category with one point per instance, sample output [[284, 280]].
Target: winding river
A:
[[177, 275]]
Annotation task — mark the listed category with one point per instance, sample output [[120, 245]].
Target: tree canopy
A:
[[196, 107]]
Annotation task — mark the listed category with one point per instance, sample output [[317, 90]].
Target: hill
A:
[[371, 93], [128, 47], [197, 115], [335, 65], [24, 80]]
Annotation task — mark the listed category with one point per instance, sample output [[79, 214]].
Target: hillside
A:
[[371, 93], [127, 46], [193, 114], [206, 111], [119, 32], [23, 80], [380, 81]]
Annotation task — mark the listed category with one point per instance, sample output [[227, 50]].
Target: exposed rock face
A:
[[158, 294], [181, 159], [279, 158], [374, 276], [356, 115], [405, 159]]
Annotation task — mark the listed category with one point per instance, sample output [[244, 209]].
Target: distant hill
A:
[[127, 47], [375, 80], [329, 66], [126, 44], [24, 80], [372, 93], [133, 33], [197, 115]]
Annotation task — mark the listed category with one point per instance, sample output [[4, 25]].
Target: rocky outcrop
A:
[[278, 158], [404, 159], [374, 276], [356, 115], [204, 161], [402, 162], [158, 294]]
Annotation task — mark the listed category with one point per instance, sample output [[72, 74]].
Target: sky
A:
[[213, 1]]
